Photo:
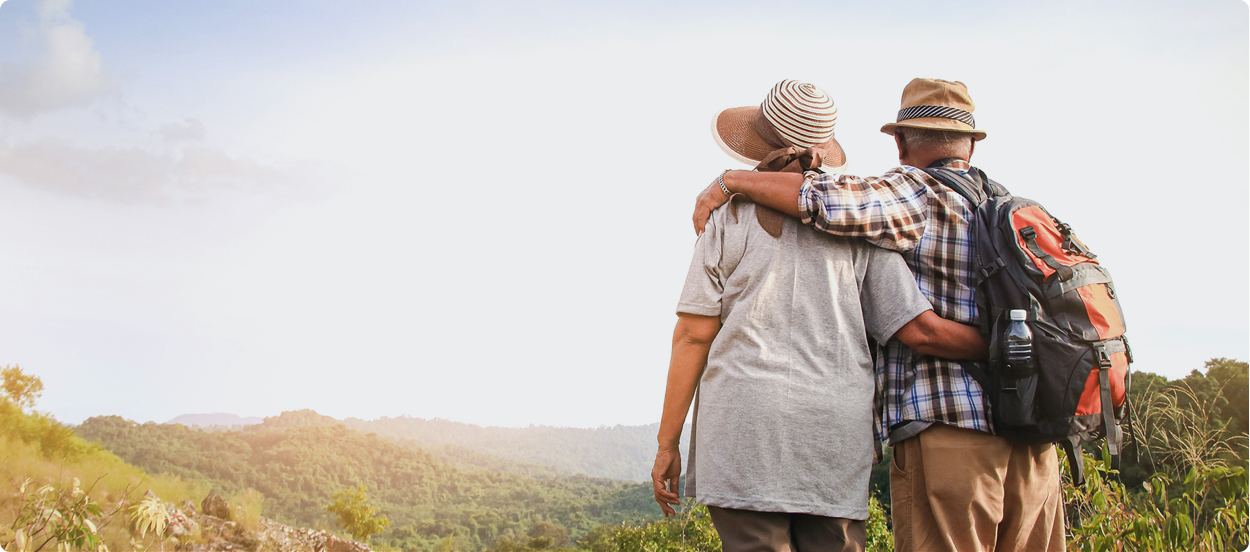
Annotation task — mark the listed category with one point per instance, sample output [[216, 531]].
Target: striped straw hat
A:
[[937, 105], [794, 114]]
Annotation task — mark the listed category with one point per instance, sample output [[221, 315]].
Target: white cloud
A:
[[130, 174], [191, 130], [66, 70]]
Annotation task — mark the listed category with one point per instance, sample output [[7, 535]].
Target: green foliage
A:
[[63, 519], [599, 539], [18, 388], [543, 536], [20, 391], [356, 515], [879, 480], [880, 538], [1209, 513], [691, 530]]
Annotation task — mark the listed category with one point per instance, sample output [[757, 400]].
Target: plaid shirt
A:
[[930, 224]]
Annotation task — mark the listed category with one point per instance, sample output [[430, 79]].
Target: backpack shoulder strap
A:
[[974, 186], [992, 188]]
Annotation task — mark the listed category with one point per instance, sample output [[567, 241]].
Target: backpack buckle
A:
[[1072, 244], [1104, 359], [995, 266]]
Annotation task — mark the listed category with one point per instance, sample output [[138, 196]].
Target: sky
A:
[[480, 210]]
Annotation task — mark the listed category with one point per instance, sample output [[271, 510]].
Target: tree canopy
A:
[[355, 514]]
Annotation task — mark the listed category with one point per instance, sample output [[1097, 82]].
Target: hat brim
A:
[[735, 136], [936, 123]]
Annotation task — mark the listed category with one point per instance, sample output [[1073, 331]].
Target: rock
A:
[[182, 525], [214, 505], [218, 535], [335, 544], [188, 508]]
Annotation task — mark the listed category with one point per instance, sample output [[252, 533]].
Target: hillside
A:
[[298, 460], [47, 473], [619, 452]]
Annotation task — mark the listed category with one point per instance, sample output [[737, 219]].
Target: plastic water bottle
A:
[[1018, 388], [1019, 342]]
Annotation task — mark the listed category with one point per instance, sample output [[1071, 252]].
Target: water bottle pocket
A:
[[1016, 404]]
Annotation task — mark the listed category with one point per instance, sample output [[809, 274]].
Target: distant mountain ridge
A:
[[617, 452], [215, 419]]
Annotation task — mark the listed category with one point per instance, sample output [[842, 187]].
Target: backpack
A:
[[1076, 387]]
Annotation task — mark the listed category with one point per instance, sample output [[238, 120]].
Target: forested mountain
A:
[[619, 452], [452, 454], [297, 461], [214, 420]]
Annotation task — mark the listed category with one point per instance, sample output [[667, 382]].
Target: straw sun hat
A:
[[795, 114], [936, 105]]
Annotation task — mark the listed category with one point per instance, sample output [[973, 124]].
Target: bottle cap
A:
[[1019, 314]]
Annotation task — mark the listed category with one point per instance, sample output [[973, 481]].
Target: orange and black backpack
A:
[[1076, 387]]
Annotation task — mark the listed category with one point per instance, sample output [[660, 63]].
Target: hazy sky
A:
[[480, 211]]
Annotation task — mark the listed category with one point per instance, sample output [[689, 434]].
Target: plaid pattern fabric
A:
[[930, 224]]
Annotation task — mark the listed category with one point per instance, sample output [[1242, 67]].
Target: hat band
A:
[[919, 111]]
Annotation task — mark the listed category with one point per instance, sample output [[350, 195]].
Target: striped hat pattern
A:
[[937, 105], [802, 113], [794, 114]]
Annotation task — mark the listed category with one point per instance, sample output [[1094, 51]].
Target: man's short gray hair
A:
[[948, 143]]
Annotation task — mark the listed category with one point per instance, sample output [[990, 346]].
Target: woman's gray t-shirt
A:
[[783, 418]]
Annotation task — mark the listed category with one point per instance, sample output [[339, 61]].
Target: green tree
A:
[[1232, 380], [355, 515], [545, 534], [599, 539], [21, 389]]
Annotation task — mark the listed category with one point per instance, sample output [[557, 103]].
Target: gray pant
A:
[[751, 531]]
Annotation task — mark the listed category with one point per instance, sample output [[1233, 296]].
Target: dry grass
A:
[[107, 479], [1185, 432]]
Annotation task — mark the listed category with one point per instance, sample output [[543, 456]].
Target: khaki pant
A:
[[964, 490], [751, 531]]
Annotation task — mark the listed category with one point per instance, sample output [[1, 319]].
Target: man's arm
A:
[[930, 334], [888, 211], [692, 338], [777, 190]]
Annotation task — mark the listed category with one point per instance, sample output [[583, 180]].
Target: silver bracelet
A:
[[721, 180]]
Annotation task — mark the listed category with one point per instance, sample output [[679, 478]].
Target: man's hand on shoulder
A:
[[664, 477], [776, 190], [709, 199]]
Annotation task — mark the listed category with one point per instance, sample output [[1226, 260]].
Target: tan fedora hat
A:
[[794, 114], [938, 105]]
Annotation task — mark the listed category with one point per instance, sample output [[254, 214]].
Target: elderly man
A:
[[954, 484], [773, 329]]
